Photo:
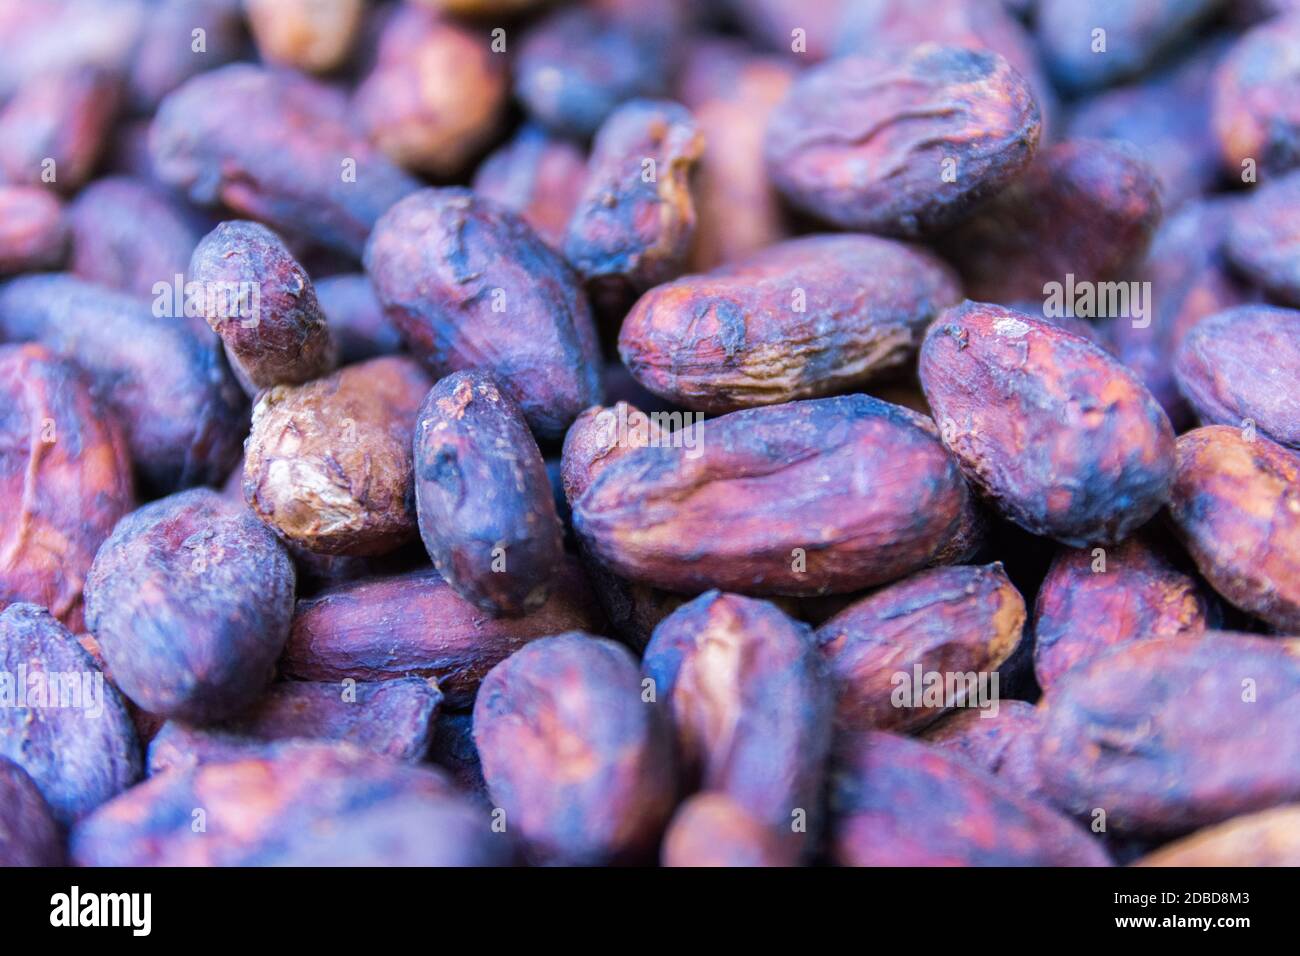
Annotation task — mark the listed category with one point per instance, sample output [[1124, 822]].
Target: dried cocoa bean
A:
[[29, 836], [712, 829], [33, 230]]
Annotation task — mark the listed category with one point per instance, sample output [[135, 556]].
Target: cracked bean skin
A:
[[712, 829], [633, 225], [1253, 102], [302, 805], [33, 230], [78, 756], [287, 165], [1243, 366], [190, 600], [472, 286], [328, 464], [437, 95], [801, 319], [747, 696], [1086, 207], [1081, 611], [965, 619], [1268, 838], [581, 765], [1235, 507], [281, 338], [824, 496], [29, 835], [181, 409], [599, 437], [1063, 439], [65, 481], [862, 142], [484, 501], [414, 624], [537, 175], [128, 235], [1136, 34], [1004, 744], [1261, 241], [1169, 735], [900, 802], [391, 718]]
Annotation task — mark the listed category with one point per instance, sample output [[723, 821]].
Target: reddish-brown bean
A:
[[1268, 838], [1063, 439], [54, 127], [414, 624], [580, 764], [33, 230], [537, 175], [1003, 743], [903, 146], [311, 35], [801, 319], [713, 829], [1253, 103], [1235, 506]]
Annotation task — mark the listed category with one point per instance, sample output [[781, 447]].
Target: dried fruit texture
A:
[[576, 65], [486, 511], [328, 464], [261, 302], [28, 834], [127, 235], [190, 599], [633, 226], [471, 286], [1089, 44], [1169, 735], [824, 496], [1164, 116], [732, 93], [579, 763], [771, 23], [54, 127], [1242, 367], [749, 702], [897, 802], [1235, 506], [146, 724], [1269, 838], [65, 480], [801, 319], [599, 437], [958, 621], [391, 718], [164, 57], [61, 721], [538, 176], [414, 624], [1261, 239], [356, 319], [1253, 103], [162, 378], [311, 35], [297, 163], [436, 96], [895, 26], [307, 805], [1085, 208], [902, 146], [1093, 601], [33, 230], [1064, 440], [712, 829], [1004, 744], [453, 750], [1190, 279]]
